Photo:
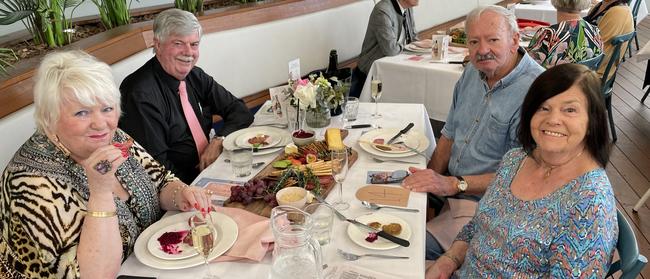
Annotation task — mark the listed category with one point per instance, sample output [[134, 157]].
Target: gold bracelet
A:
[[454, 259], [176, 194], [101, 214]]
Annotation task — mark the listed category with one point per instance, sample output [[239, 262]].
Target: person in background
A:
[[550, 211], [77, 194], [571, 40], [169, 102], [613, 17], [481, 126], [390, 28]]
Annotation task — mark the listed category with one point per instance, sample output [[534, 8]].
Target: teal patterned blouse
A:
[[570, 233], [569, 41]]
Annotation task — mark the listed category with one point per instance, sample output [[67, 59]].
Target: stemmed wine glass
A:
[[204, 238], [340, 170], [375, 90]]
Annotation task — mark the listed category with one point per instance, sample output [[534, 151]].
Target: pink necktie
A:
[[197, 133]]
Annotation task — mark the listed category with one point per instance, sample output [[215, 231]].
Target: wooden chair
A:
[[612, 67], [631, 262], [594, 62]]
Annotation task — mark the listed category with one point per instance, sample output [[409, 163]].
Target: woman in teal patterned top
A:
[[550, 212], [571, 40]]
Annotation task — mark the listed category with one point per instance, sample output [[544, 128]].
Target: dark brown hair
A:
[[555, 81]]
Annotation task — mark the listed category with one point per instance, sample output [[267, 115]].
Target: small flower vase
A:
[[318, 118]]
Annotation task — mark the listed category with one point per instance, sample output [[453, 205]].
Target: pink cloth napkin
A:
[[255, 237]]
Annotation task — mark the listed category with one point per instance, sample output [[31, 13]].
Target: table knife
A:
[[383, 234], [403, 131], [256, 149], [358, 126]]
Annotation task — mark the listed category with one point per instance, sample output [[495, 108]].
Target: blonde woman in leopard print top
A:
[[77, 194]]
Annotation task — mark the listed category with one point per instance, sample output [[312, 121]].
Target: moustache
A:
[[488, 56]]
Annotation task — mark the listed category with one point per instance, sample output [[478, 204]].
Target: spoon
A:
[[377, 207]]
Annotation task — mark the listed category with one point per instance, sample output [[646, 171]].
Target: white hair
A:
[[571, 6], [72, 76], [175, 22], [508, 15]]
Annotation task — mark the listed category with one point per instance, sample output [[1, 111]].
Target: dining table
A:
[[394, 116], [415, 78], [544, 11]]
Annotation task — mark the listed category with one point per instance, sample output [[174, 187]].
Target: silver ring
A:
[[103, 166]]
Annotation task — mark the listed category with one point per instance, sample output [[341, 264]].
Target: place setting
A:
[[179, 241], [260, 139], [394, 143]]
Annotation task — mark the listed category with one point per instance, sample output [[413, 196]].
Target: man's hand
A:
[[211, 153], [442, 269], [427, 180]]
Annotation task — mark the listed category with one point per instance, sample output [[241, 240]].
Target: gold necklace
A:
[[550, 167]]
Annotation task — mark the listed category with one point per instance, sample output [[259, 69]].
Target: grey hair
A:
[[175, 22], [508, 15], [71, 76], [571, 6]]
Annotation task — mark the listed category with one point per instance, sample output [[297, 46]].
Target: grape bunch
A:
[[252, 190]]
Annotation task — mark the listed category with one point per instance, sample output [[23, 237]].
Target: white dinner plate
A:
[[408, 139], [273, 139], [229, 141], [535, 2], [423, 142], [413, 48], [227, 232], [358, 235], [186, 251]]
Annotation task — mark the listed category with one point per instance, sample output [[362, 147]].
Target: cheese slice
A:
[[333, 138]]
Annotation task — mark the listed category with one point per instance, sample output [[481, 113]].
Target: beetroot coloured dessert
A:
[[169, 241], [302, 134]]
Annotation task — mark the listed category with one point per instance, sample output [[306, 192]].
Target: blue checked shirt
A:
[[483, 122]]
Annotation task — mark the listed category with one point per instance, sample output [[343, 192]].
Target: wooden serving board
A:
[[260, 207]]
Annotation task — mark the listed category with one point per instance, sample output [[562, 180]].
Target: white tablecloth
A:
[[394, 116], [544, 11], [422, 82]]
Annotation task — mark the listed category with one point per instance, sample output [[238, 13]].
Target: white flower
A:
[[307, 95]]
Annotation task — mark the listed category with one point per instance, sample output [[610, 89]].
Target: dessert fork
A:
[[353, 257]]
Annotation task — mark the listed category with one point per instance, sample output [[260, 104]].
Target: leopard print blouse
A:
[[43, 203]]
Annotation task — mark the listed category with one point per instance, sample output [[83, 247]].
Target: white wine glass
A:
[[339, 171], [375, 90], [204, 238]]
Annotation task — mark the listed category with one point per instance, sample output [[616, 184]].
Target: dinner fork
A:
[[380, 160], [353, 257]]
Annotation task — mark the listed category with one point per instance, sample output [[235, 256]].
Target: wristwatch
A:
[[462, 184]]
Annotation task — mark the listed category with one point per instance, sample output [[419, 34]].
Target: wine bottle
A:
[[332, 70]]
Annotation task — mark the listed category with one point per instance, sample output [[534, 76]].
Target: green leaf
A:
[[15, 10]]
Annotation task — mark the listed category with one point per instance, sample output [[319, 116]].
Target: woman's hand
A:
[[191, 197], [427, 180], [442, 269], [100, 168]]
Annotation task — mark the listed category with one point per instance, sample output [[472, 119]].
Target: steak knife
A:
[[403, 131]]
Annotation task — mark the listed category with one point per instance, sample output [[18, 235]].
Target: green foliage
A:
[[7, 57], [45, 19], [192, 6], [113, 13]]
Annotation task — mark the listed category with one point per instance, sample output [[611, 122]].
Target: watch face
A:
[[462, 186]]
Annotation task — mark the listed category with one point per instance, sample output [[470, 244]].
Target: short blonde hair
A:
[[71, 75]]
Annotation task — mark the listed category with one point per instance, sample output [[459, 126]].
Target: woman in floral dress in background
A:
[[571, 40]]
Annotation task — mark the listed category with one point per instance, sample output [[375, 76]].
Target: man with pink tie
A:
[[168, 103]]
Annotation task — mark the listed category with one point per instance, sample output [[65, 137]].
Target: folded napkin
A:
[[254, 239]]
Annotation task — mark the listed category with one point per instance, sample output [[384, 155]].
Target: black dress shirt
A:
[[153, 115]]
